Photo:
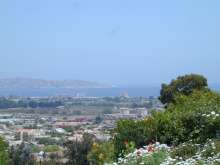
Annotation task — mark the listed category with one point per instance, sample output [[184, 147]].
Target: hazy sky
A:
[[111, 41]]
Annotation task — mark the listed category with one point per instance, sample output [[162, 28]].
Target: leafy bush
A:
[[156, 158], [21, 154], [184, 154], [35, 149], [185, 151], [49, 141], [195, 117], [207, 154], [128, 131], [101, 153], [153, 154], [51, 148]]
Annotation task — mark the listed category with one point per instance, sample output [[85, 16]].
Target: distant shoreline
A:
[[81, 92]]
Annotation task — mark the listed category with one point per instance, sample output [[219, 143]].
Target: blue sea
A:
[[134, 91], [82, 92]]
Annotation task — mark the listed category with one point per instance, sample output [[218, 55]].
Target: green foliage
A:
[[51, 148], [26, 137], [198, 114], [98, 119], [185, 151], [101, 153], [155, 159], [3, 152], [195, 117], [129, 147], [183, 85], [77, 151], [203, 153], [128, 131], [69, 129], [49, 141], [20, 155], [7, 103], [35, 149], [184, 154]]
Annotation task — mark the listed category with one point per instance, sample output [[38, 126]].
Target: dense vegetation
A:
[[77, 151], [8, 103], [72, 105], [188, 129], [184, 85], [3, 152], [192, 115]]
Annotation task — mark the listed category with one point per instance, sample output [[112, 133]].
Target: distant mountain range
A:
[[39, 87], [40, 83]]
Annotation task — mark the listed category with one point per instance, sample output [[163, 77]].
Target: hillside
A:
[[40, 83]]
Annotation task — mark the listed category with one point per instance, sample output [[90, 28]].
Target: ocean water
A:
[[82, 92]]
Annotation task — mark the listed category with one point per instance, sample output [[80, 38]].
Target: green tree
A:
[[183, 85], [20, 155], [26, 137], [77, 151], [3, 152], [98, 119]]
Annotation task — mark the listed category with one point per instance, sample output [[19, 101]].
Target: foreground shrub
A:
[[153, 154], [161, 154], [207, 154], [195, 117], [129, 131], [100, 153], [184, 151]]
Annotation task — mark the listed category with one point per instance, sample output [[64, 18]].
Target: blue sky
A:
[[112, 41]]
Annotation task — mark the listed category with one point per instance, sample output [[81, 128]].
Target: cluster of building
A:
[[18, 127]]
